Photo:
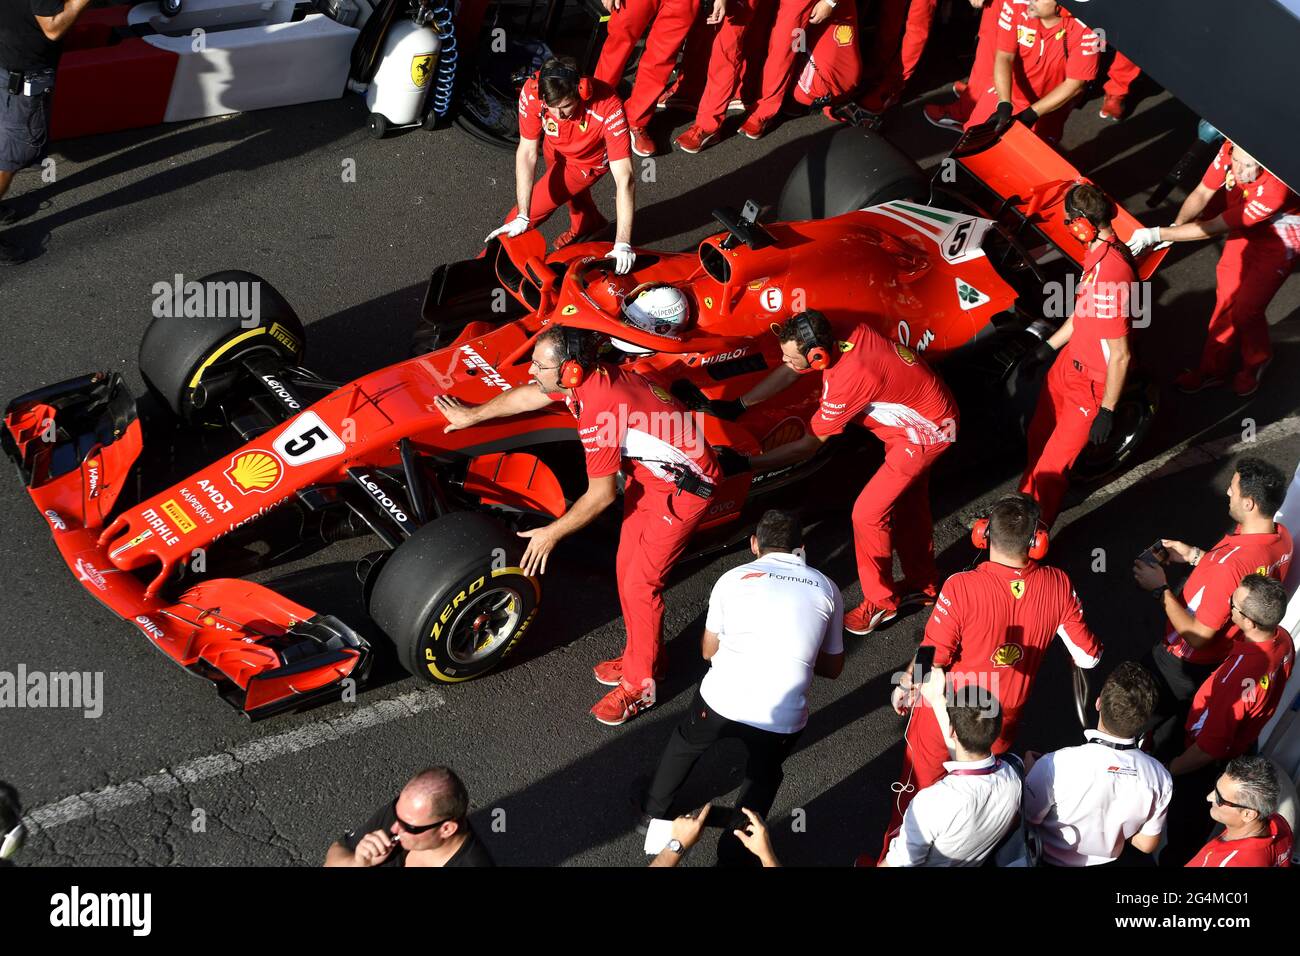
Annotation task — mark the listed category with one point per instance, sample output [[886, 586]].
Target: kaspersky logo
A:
[[254, 471]]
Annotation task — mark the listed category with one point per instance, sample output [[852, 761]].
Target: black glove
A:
[[725, 408], [731, 461], [1027, 116], [1043, 354], [1101, 426], [1002, 117]]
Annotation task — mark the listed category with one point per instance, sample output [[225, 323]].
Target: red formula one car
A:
[[309, 461]]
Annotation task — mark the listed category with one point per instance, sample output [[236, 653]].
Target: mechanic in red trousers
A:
[[1077, 404], [1261, 219], [669, 21], [1119, 81], [581, 122], [834, 63], [791, 34], [901, 33], [953, 116], [886, 387], [1045, 57], [991, 629], [671, 471]]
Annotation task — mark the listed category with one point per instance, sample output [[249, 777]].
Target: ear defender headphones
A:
[[818, 358], [572, 374], [562, 71], [13, 841], [979, 534], [1080, 226]]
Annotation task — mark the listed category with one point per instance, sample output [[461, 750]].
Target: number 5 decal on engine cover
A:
[[307, 439]]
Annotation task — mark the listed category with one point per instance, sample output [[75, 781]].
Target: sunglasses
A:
[[414, 830], [1233, 605], [1220, 802]]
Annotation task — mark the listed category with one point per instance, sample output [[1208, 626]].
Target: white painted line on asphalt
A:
[[1183, 456], [117, 796]]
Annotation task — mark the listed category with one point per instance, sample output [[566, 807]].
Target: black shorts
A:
[[24, 129]]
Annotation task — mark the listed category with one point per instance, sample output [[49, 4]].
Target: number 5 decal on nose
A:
[[308, 439]]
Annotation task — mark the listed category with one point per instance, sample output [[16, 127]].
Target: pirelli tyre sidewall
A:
[[196, 334], [453, 598]]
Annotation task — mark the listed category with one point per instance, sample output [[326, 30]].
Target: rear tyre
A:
[[849, 169], [192, 362], [453, 599]]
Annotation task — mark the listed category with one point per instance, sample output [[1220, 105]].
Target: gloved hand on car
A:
[[515, 227], [731, 461]]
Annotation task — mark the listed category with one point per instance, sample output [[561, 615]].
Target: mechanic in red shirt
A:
[[1200, 622], [1231, 707], [886, 387], [953, 116], [670, 473], [669, 21], [581, 122], [991, 628], [1077, 404], [1261, 218], [1045, 57], [1245, 800]]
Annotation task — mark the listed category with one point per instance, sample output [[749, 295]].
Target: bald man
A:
[[427, 825]]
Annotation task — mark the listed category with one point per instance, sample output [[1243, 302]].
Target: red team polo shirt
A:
[[887, 388], [1209, 587], [622, 415], [1252, 205], [595, 136], [991, 627], [1237, 700], [1272, 850], [1101, 307], [1045, 58]]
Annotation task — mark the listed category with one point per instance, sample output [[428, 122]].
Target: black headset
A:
[[562, 71], [572, 369], [818, 357], [1080, 224]]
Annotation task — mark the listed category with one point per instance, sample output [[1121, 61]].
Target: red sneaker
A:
[[866, 617], [944, 117], [570, 236], [1112, 108], [694, 140], [925, 595], [1194, 380], [753, 128], [642, 144], [609, 673], [1246, 382], [620, 705]]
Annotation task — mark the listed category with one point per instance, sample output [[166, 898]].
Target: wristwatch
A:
[[676, 846]]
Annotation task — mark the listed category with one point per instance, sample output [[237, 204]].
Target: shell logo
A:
[[1008, 655], [255, 471], [843, 34], [906, 354], [659, 393]]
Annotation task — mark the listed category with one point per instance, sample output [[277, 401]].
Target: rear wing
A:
[[1031, 179]]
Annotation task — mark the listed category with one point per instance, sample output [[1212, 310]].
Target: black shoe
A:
[[8, 215], [11, 255]]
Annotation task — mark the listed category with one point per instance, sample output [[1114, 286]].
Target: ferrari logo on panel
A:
[[1008, 655], [254, 471], [569, 310], [421, 67], [843, 34], [1017, 589]]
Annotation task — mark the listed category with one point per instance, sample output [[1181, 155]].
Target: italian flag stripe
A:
[[925, 211]]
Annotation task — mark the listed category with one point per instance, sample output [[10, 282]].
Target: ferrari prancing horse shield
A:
[[421, 67], [1017, 589]]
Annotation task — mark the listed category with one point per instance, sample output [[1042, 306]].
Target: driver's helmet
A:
[[657, 309]]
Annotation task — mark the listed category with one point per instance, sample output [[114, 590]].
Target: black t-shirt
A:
[[471, 853], [22, 44]]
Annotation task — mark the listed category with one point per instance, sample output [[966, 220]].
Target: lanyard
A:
[[980, 772]]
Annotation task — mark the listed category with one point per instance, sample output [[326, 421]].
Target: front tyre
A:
[[453, 599]]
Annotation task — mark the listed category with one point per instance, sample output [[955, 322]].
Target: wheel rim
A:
[[484, 625]]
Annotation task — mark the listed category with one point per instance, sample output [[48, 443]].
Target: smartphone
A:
[[922, 664], [1156, 554], [726, 818]]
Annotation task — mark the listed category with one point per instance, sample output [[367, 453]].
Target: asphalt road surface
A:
[[170, 774]]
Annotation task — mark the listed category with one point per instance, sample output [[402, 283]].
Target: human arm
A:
[[372, 849], [516, 401], [790, 453], [624, 198], [756, 839], [775, 382], [600, 494], [686, 830], [57, 26], [709, 644]]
